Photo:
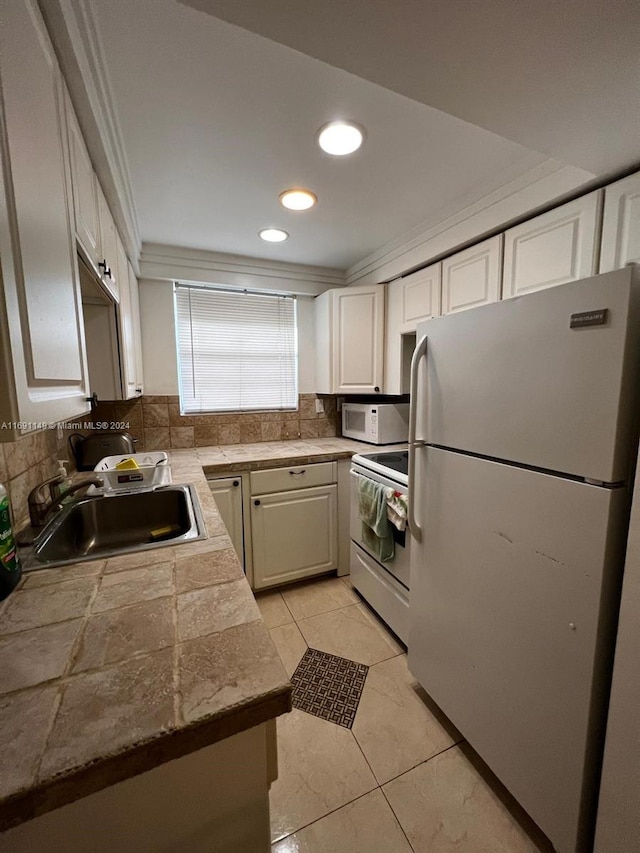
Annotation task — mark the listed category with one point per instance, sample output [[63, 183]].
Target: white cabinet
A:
[[109, 245], [472, 277], [42, 365], [621, 224], [85, 196], [350, 340], [294, 523], [129, 326], [410, 299], [557, 247], [227, 492], [137, 330]]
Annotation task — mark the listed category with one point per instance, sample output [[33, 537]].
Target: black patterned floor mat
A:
[[328, 686]]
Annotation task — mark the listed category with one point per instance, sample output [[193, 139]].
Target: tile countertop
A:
[[111, 667], [243, 457]]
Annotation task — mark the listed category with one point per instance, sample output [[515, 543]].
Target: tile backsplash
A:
[[158, 425], [27, 462]]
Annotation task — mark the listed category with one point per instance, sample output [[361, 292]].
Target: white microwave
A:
[[376, 423]]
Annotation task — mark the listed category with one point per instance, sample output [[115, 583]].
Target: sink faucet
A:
[[40, 507]]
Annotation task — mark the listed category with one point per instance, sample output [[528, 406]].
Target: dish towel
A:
[[397, 510], [376, 529]]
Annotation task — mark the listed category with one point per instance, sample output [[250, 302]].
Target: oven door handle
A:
[[419, 353]]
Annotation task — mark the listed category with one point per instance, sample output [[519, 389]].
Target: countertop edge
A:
[[80, 782]]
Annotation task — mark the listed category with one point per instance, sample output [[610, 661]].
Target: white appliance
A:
[[522, 445], [376, 423], [385, 586]]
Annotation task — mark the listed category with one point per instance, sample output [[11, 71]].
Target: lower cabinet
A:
[[228, 496], [287, 523], [294, 535], [294, 522]]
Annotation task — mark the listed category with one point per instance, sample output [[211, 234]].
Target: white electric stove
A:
[[385, 586]]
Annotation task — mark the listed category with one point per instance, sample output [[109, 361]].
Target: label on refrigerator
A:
[[589, 318]]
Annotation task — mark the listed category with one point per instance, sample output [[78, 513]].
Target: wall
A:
[[158, 340]]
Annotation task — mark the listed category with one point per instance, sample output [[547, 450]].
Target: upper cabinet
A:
[[472, 277], [43, 367], [137, 330], [85, 195], [557, 247], [108, 264], [621, 224], [129, 327], [414, 298], [350, 340], [410, 299]]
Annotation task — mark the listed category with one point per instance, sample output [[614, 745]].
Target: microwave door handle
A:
[[418, 355]]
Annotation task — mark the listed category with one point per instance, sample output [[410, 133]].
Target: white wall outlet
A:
[[319, 406]]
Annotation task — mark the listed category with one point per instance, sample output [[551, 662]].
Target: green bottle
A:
[[10, 570]]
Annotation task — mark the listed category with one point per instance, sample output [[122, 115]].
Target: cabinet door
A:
[[294, 535], [44, 364], [416, 297], [557, 247], [127, 344], [410, 299], [109, 245], [621, 224], [85, 199], [472, 277], [358, 340], [137, 329], [228, 496]]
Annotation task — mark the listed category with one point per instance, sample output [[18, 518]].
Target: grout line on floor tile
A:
[[424, 761], [397, 818], [284, 601], [333, 811], [324, 612]]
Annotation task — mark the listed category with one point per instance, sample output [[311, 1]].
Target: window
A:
[[237, 350]]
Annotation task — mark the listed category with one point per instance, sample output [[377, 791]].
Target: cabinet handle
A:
[[377, 388], [256, 503], [106, 269], [138, 390], [93, 399], [236, 482], [297, 473]]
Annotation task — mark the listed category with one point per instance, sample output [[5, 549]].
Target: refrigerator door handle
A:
[[419, 353]]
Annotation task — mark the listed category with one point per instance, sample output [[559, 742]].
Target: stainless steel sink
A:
[[116, 524]]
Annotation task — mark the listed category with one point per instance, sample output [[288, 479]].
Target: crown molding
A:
[[545, 185], [183, 264], [74, 31]]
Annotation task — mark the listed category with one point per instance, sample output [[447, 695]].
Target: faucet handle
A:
[[39, 504]]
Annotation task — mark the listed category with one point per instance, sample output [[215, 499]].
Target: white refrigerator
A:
[[522, 446]]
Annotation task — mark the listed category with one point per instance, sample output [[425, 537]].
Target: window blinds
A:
[[237, 350]]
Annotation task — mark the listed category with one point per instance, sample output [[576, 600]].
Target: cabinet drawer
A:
[[293, 477]]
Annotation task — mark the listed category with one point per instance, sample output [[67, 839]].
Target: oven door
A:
[[399, 566]]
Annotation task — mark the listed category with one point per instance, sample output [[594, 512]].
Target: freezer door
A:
[[513, 597], [513, 381]]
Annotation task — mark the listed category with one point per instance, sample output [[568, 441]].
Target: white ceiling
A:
[[560, 76], [217, 121]]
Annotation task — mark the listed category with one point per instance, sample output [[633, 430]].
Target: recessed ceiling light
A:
[[298, 199], [273, 235], [340, 138]]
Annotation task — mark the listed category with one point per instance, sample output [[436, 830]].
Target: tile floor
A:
[[401, 779]]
